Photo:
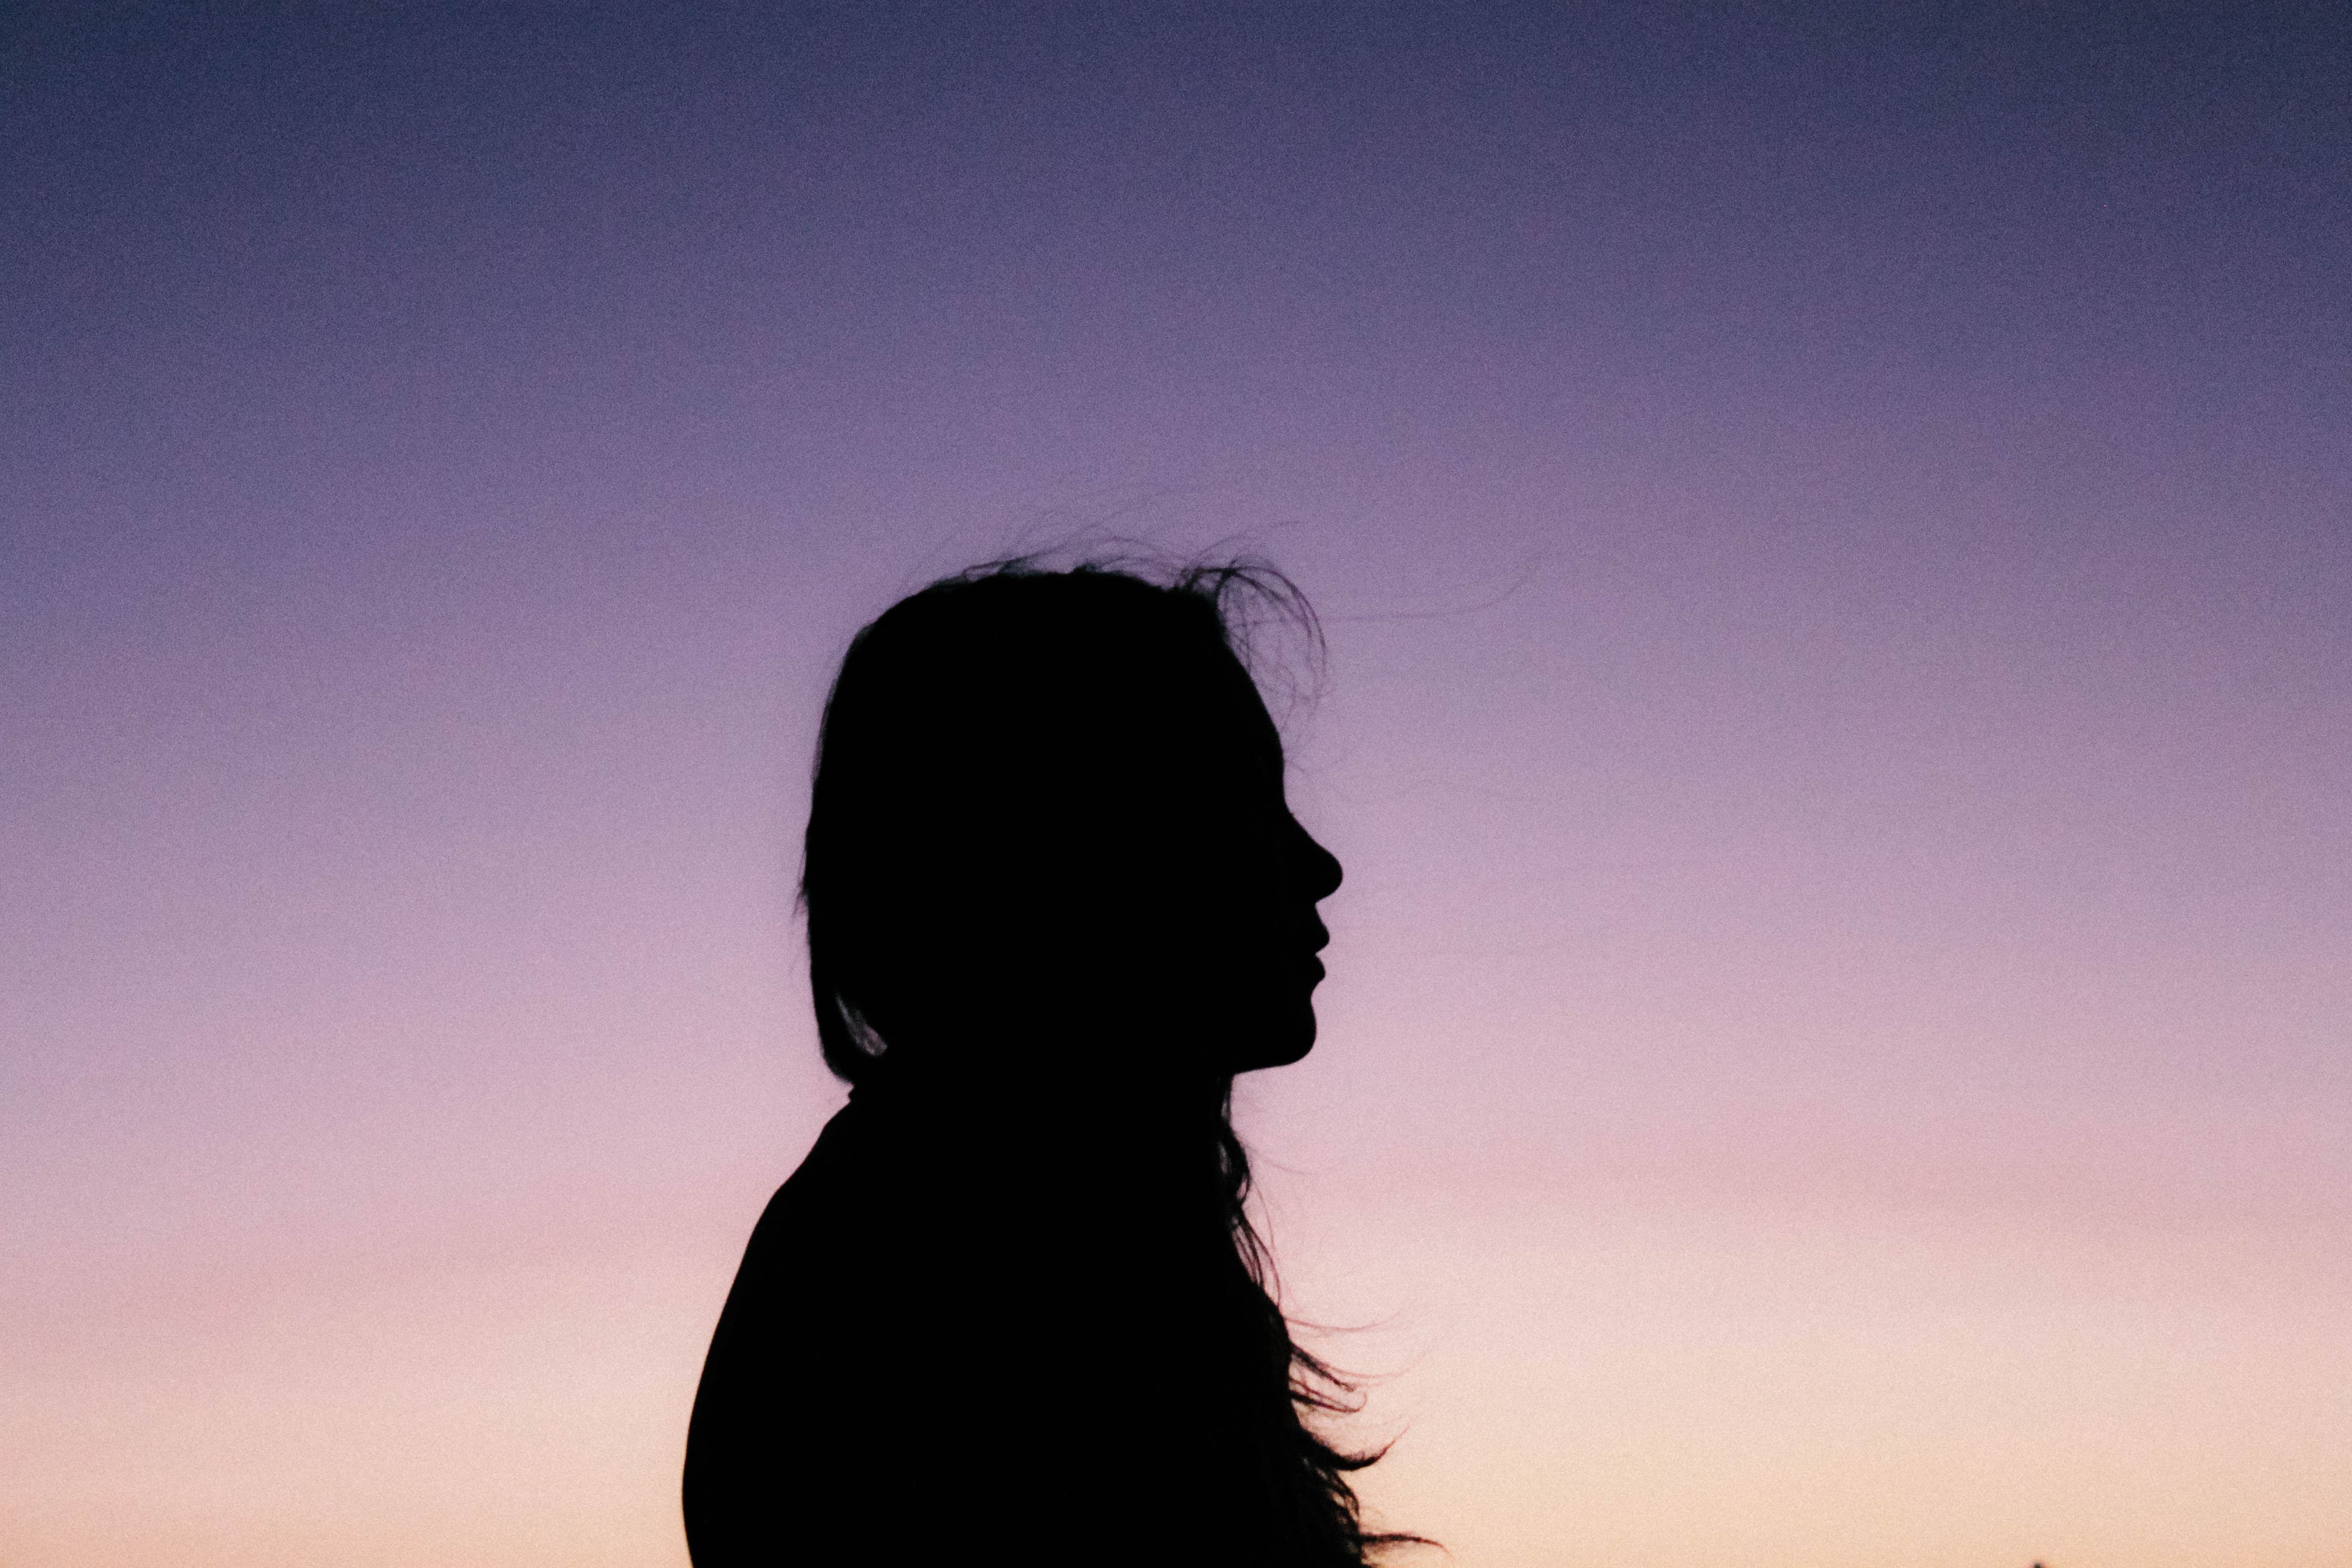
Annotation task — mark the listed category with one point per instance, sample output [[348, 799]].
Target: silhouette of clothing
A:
[[974, 1324]]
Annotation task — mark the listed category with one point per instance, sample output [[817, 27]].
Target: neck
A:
[[1106, 1120]]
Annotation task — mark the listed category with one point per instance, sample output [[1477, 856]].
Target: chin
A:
[[1283, 1058], [1279, 1048]]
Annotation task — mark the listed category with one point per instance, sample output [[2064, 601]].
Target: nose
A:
[[1320, 866]]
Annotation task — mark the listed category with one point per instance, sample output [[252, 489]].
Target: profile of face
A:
[[1051, 832], [1214, 928], [1257, 884]]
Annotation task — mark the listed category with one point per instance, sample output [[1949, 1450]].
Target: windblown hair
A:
[[1313, 1387], [1072, 680]]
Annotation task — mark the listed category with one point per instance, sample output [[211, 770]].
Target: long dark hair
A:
[[1052, 679]]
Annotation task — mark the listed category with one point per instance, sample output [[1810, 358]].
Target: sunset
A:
[[1832, 534]]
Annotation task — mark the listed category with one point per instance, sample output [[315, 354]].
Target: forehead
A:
[[1183, 728], [1236, 710]]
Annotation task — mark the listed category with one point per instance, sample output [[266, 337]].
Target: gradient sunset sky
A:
[[1833, 526]]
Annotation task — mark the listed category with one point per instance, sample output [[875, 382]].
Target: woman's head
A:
[[1048, 831]]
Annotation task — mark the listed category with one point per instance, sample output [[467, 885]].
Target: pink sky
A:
[[1833, 543]]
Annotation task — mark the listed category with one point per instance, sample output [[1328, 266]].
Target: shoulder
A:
[[796, 1253]]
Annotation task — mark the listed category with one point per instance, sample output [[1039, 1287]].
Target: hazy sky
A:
[[1833, 527]]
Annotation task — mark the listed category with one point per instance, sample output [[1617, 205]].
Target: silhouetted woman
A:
[[1009, 1308]]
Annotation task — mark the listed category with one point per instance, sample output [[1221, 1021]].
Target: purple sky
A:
[[1834, 539]]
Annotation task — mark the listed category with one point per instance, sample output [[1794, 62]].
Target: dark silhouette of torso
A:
[[945, 1339]]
